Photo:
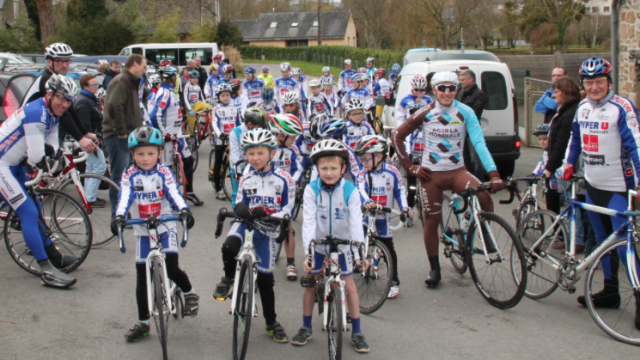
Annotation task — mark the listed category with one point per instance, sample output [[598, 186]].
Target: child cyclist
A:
[[148, 188], [192, 94], [264, 190], [326, 74], [330, 94], [318, 103], [379, 183], [212, 82], [268, 103], [287, 128], [226, 118], [337, 129], [356, 128], [341, 218], [291, 104]]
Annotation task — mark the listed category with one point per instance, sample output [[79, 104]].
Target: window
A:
[[495, 89], [273, 25], [595, 9], [292, 43], [607, 9], [294, 24], [187, 54], [155, 55], [315, 24], [125, 52], [304, 43], [137, 51]]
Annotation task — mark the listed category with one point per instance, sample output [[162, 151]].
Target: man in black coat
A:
[[472, 96], [114, 69], [202, 80]]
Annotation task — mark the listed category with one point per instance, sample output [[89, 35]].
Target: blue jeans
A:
[[96, 164], [120, 158]]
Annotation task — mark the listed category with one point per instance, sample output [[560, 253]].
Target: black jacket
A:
[[202, 80], [559, 134], [475, 99], [110, 74], [89, 112]]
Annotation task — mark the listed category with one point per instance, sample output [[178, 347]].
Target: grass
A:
[[308, 68]]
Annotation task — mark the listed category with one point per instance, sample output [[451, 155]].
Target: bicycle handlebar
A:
[[35, 180], [380, 208], [284, 222], [330, 240], [153, 222], [82, 158], [466, 193], [513, 189]]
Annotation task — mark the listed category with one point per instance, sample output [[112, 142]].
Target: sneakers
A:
[[359, 343], [53, 277], [220, 195], [434, 278], [393, 291], [224, 289], [409, 221], [191, 304], [292, 272], [276, 331], [98, 203], [137, 332], [194, 199], [608, 298], [301, 338]]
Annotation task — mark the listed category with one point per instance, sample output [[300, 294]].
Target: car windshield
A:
[[24, 59]]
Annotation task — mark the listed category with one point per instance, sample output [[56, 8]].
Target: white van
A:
[[500, 116], [178, 53]]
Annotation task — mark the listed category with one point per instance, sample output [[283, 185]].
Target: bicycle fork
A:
[[479, 226], [165, 285]]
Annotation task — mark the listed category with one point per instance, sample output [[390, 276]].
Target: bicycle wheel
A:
[[227, 187], [373, 285], [503, 280], [455, 253], [523, 210], [177, 303], [541, 269], [196, 158], [160, 309], [178, 171], [299, 195], [279, 250], [67, 225], [100, 217], [243, 311], [617, 323], [212, 160], [334, 323]]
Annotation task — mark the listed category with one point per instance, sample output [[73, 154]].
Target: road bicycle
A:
[[161, 293], [529, 201], [243, 304], [330, 290], [302, 184], [494, 256], [550, 269], [177, 165], [201, 132], [225, 176]]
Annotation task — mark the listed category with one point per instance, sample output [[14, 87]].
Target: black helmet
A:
[[145, 136], [256, 116], [541, 130]]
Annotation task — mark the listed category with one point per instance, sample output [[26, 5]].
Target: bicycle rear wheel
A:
[[455, 252], [196, 158], [335, 324], [503, 280], [177, 302], [299, 196], [373, 285], [541, 273], [161, 309], [227, 187], [243, 311], [279, 250], [178, 170], [524, 209], [67, 225], [212, 160]]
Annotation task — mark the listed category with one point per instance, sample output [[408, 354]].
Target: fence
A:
[[533, 90]]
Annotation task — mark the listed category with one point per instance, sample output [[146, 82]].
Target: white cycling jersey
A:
[[355, 132], [333, 99], [283, 86], [192, 94], [361, 94], [236, 153], [272, 190], [319, 104], [344, 82], [210, 85], [288, 160], [240, 102], [381, 88], [253, 90], [271, 107], [406, 104], [385, 186], [166, 115], [225, 118]]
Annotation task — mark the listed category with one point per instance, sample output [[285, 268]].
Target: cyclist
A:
[[252, 86], [309, 138], [268, 102], [356, 128], [344, 82], [393, 75], [417, 96], [371, 69], [286, 83], [605, 132], [31, 134], [291, 105], [266, 77], [358, 92], [340, 218], [151, 189], [192, 94], [298, 76], [415, 149], [264, 190], [212, 82], [336, 129], [330, 94], [382, 85], [445, 124], [226, 118], [318, 103], [227, 74], [326, 74], [155, 82], [379, 184], [238, 99], [166, 116]]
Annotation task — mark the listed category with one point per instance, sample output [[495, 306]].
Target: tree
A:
[[483, 22], [509, 19], [167, 30], [594, 29], [544, 35], [229, 34], [369, 15], [40, 14], [21, 37], [559, 13], [205, 33], [85, 10], [444, 18]]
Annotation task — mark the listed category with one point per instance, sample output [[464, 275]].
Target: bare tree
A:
[[369, 14], [483, 22], [444, 17], [509, 21], [45, 14], [559, 13]]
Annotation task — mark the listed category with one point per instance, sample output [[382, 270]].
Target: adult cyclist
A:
[[30, 134], [445, 123], [252, 86], [344, 82]]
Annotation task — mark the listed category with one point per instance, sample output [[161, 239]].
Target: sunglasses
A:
[[61, 61], [93, 85], [444, 88], [360, 113], [289, 105], [61, 97], [420, 91]]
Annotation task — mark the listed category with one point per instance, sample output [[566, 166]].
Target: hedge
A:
[[328, 55]]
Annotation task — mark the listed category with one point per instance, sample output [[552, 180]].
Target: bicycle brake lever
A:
[[123, 249], [185, 233]]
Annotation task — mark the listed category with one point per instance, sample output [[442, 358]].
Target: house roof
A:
[[334, 25]]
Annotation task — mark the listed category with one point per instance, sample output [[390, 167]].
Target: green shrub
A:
[[20, 38]]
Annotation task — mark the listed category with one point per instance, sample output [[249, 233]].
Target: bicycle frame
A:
[[335, 277], [206, 124], [247, 250]]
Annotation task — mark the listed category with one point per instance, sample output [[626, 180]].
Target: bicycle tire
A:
[[65, 241], [456, 253], [505, 241], [524, 209], [212, 160], [178, 171], [278, 251], [373, 285], [227, 187], [335, 324], [100, 217], [243, 311], [541, 276], [196, 158], [299, 196], [160, 309], [178, 303]]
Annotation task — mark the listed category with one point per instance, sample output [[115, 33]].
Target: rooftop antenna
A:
[[461, 40]]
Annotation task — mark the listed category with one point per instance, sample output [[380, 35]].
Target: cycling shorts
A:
[[12, 179], [345, 261], [167, 157], [169, 241], [265, 247]]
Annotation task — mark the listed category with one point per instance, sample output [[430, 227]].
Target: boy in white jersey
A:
[[225, 118], [356, 127], [318, 103]]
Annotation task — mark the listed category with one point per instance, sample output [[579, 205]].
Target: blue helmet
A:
[[194, 74], [595, 67], [168, 71], [396, 68], [333, 128], [267, 94], [145, 136], [249, 70]]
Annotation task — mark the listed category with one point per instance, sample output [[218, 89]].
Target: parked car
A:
[[13, 88], [430, 54], [12, 59], [36, 58], [95, 59]]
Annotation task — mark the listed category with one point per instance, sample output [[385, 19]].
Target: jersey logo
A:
[[590, 142], [150, 209], [380, 200], [418, 147]]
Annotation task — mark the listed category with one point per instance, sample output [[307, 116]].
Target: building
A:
[[602, 7], [290, 29], [629, 51]]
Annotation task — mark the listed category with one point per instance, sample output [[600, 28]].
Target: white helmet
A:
[[258, 137], [347, 61], [291, 97], [154, 79], [353, 104], [325, 69], [327, 81], [295, 71], [329, 147], [371, 144], [285, 66], [371, 60], [100, 94], [286, 124], [314, 83], [419, 82], [222, 88], [444, 77], [63, 85], [58, 50]]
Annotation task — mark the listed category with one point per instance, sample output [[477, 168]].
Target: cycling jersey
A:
[[305, 143], [333, 99], [355, 132], [319, 104], [381, 88], [210, 85], [542, 166], [416, 144], [371, 72], [283, 86], [606, 133], [302, 80], [330, 76], [253, 90], [272, 190], [145, 112], [360, 94], [406, 104], [151, 99], [344, 82], [226, 118], [241, 103], [381, 186], [236, 153], [333, 212], [155, 192], [191, 95], [393, 77], [271, 107], [267, 80], [166, 115], [288, 159]]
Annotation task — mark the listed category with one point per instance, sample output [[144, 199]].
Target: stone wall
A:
[[629, 42]]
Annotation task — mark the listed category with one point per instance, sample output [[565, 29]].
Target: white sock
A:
[[191, 291]]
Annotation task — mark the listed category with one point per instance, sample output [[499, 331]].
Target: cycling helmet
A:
[[595, 67], [371, 144], [214, 67], [285, 66], [256, 116], [286, 124], [58, 50], [371, 60], [333, 128], [381, 72], [227, 69], [165, 62], [362, 70], [314, 126], [295, 71], [347, 61], [291, 97], [353, 104], [359, 77], [329, 147], [396, 68], [235, 84], [194, 74], [154, 79], [100, 94], [222, 88], [444, 76], [541, 130], [326, 69], [314, 83], [249, 70], [265, 69], [419, 82], [258, 137], [267, 94], [63, 85], [167, 72], [327, 81], [217, 57], [145, 136]]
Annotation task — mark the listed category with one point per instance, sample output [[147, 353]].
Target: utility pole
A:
[[319, 23]]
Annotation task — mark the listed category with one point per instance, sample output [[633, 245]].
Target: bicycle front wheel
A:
[[374, 283], [526, 208], [67, 225], [456, 252], [178, 170], [243, 311], [335, 323], [227, 187], [161, 309], [500, 273]]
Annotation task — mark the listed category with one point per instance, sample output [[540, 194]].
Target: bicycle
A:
[[226, 185], [373, 284], [302, 184], [331, 290], [177, 165], [529, 201], [161, 294], [483, 252], [552, 270], [201, 132], [243, 306]]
